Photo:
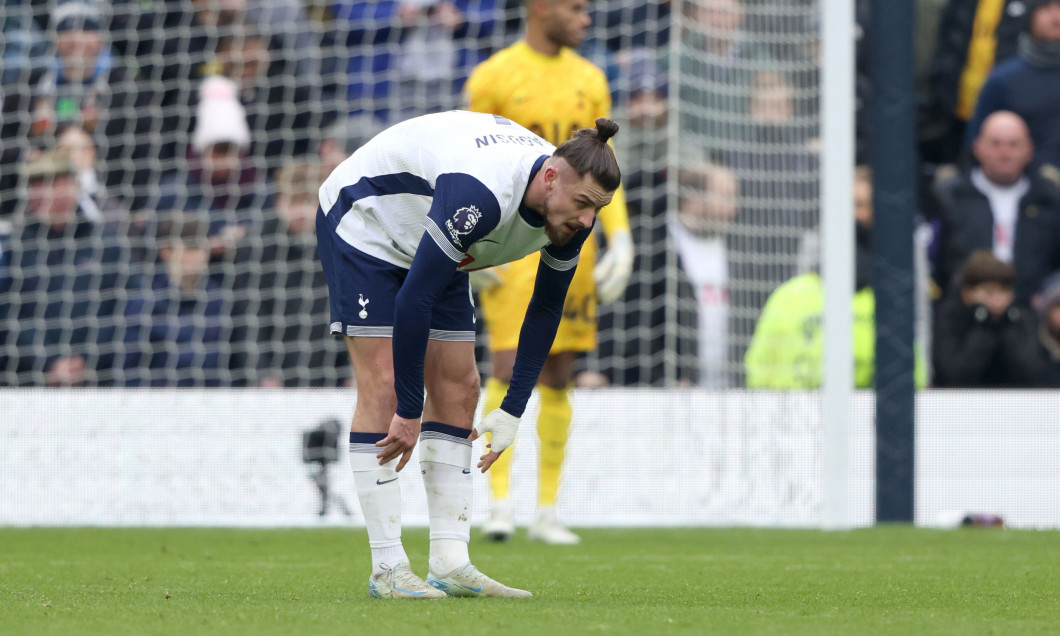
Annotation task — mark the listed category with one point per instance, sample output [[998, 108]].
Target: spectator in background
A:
[[717, 63], [221, 183], [973, 36], [294, 342], [412, 57], [1048, 305], [643, 103], [1001, 206], [791, 32], [95, 201], [650, 19], [72, 91], [982, 339], [180, 325], [776, 165], [23, 64], [172, 44], [646, 308], [63, 286], [343, 137], [91, 88], [708, 204], [287, 24], [787, 349], [1029, 84], [282, 108]]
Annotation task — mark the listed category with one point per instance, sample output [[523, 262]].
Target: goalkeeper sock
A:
[[500, 473], [445, 461], [379, 493], [553, 425]]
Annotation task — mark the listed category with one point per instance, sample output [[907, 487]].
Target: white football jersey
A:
[[461, 176]]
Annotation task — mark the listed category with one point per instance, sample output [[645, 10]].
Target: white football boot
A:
[[400, 582], [549, 530], [468, 581], [501, 524]]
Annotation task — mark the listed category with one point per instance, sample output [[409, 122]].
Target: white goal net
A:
[[717, 101]]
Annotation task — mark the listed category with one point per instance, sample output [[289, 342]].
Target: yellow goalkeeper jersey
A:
[[553, 96]]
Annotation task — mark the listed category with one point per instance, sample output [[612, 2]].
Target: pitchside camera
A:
[[320, 447], [321, 444]]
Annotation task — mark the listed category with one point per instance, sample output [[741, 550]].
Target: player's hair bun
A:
[[605, 129], [588, 153]]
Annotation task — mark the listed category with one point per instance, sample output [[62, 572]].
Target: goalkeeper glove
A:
[[504, 427], [614, 267]]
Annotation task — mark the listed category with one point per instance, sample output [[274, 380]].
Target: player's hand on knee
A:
[[613, 269], [504, 427], [401, 439]]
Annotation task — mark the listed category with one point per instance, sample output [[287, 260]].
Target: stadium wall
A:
[[636, 458]]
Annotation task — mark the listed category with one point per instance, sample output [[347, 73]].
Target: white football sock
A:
[[445, 461], [379, 493]]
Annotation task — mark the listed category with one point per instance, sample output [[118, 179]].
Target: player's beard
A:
[[557, 234], [563, 35]]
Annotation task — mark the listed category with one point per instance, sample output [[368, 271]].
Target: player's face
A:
[[571, 204], [568, 21]]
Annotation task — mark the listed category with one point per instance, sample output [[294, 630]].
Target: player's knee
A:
[[472, 383], [378, 391], [467, 384], [456, 391]]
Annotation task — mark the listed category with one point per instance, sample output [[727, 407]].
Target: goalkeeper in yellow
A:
[[541, 83]]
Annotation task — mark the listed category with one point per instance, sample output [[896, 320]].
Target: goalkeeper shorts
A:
[[504, 306]]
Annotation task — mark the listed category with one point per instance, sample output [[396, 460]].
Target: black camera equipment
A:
[[320, 447]]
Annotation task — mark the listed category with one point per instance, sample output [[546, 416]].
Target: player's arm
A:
[[463, 211], [543, 315], [554, 274]]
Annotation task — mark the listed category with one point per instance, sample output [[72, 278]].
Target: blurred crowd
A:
[[159, 162]]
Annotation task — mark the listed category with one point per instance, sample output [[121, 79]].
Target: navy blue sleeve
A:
[[431, 272], [539, 328], [463, 211]]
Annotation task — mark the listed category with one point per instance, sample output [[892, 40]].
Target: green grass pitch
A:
[[884, 580]]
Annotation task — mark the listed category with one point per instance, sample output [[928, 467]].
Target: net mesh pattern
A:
[[718, 106]]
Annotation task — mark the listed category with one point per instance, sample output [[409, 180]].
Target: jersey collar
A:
[[532, 218]]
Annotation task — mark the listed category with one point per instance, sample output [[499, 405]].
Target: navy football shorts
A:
[[363, 288]]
